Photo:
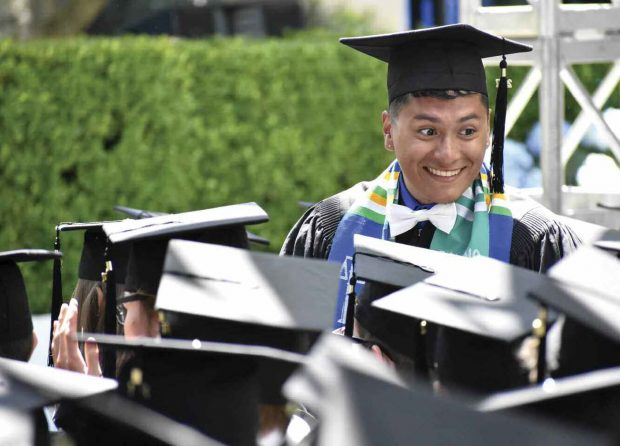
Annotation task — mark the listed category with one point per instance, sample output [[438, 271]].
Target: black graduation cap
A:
[[149, 238], [584, 286], [483, 314], [361, 410], [98, 256], [482, 296], [93, 412], [444, 58], [28, 386], [214, 387], [15, 318], [322, 368], [590, 401], [140, 213], [385, 267], [233, 295]]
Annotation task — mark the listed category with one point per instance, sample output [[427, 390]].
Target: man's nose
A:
[[447, 150]]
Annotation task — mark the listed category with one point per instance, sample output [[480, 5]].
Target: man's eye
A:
[[468, 132], [427, 132]]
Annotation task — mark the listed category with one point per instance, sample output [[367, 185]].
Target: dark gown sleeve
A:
[[314, 232], [540, 239]]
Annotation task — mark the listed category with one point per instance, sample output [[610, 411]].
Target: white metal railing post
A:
[[550, 95]]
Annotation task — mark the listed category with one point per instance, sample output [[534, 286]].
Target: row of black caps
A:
[[287, 302]]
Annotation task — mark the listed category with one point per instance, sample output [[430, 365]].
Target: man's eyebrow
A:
[[431, 118], [426, 118], [469, 117]]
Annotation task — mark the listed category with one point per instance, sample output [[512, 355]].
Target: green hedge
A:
[[176, 125]]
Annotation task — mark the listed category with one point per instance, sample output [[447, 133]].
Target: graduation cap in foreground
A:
[[584, 286], [483, 296], [483, 313], [385, 267], [322, 367], [444, 58], [15, 317], [94, 413], [213, 387], [361, 410], [140, 213], [149, 238], [590, 400], [233, 295]]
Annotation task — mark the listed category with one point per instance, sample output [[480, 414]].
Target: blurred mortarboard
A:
[[398, 264], [29, 386], [254, 297], [590, 400], [361, 410], [15, 317], [444, 58], [323, 366], [25, 387], [214, 387], [149, 239], [585, 287], [385, 267], [482, 314], [483, 296], [140, 213]]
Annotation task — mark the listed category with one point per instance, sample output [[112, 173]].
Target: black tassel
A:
[[56, 295], [109, 358], [499, 127], [350, 313]]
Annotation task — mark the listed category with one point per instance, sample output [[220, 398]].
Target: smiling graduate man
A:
[[437, 193]]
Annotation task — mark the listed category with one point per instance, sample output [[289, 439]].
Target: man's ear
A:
[[388, 141]]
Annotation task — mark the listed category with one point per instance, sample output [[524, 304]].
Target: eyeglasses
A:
[[121, 314]]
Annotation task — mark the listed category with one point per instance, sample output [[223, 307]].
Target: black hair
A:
[[399, 102]]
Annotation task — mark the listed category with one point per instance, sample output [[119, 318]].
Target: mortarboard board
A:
[[90, 405], [321, 369], [590, 400], [29, 386], [361, 410], [268, 297], [214, 387], [140, 213], [483, 296], [483, 314], [444, 58], [149, 237], [385, 267], [15, 317], [584, 287]]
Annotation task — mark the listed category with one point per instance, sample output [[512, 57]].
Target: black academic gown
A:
[[456, 359]]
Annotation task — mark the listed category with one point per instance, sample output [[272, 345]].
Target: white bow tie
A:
[[401, 218]]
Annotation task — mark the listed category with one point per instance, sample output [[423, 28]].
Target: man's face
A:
[[440, 145]]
